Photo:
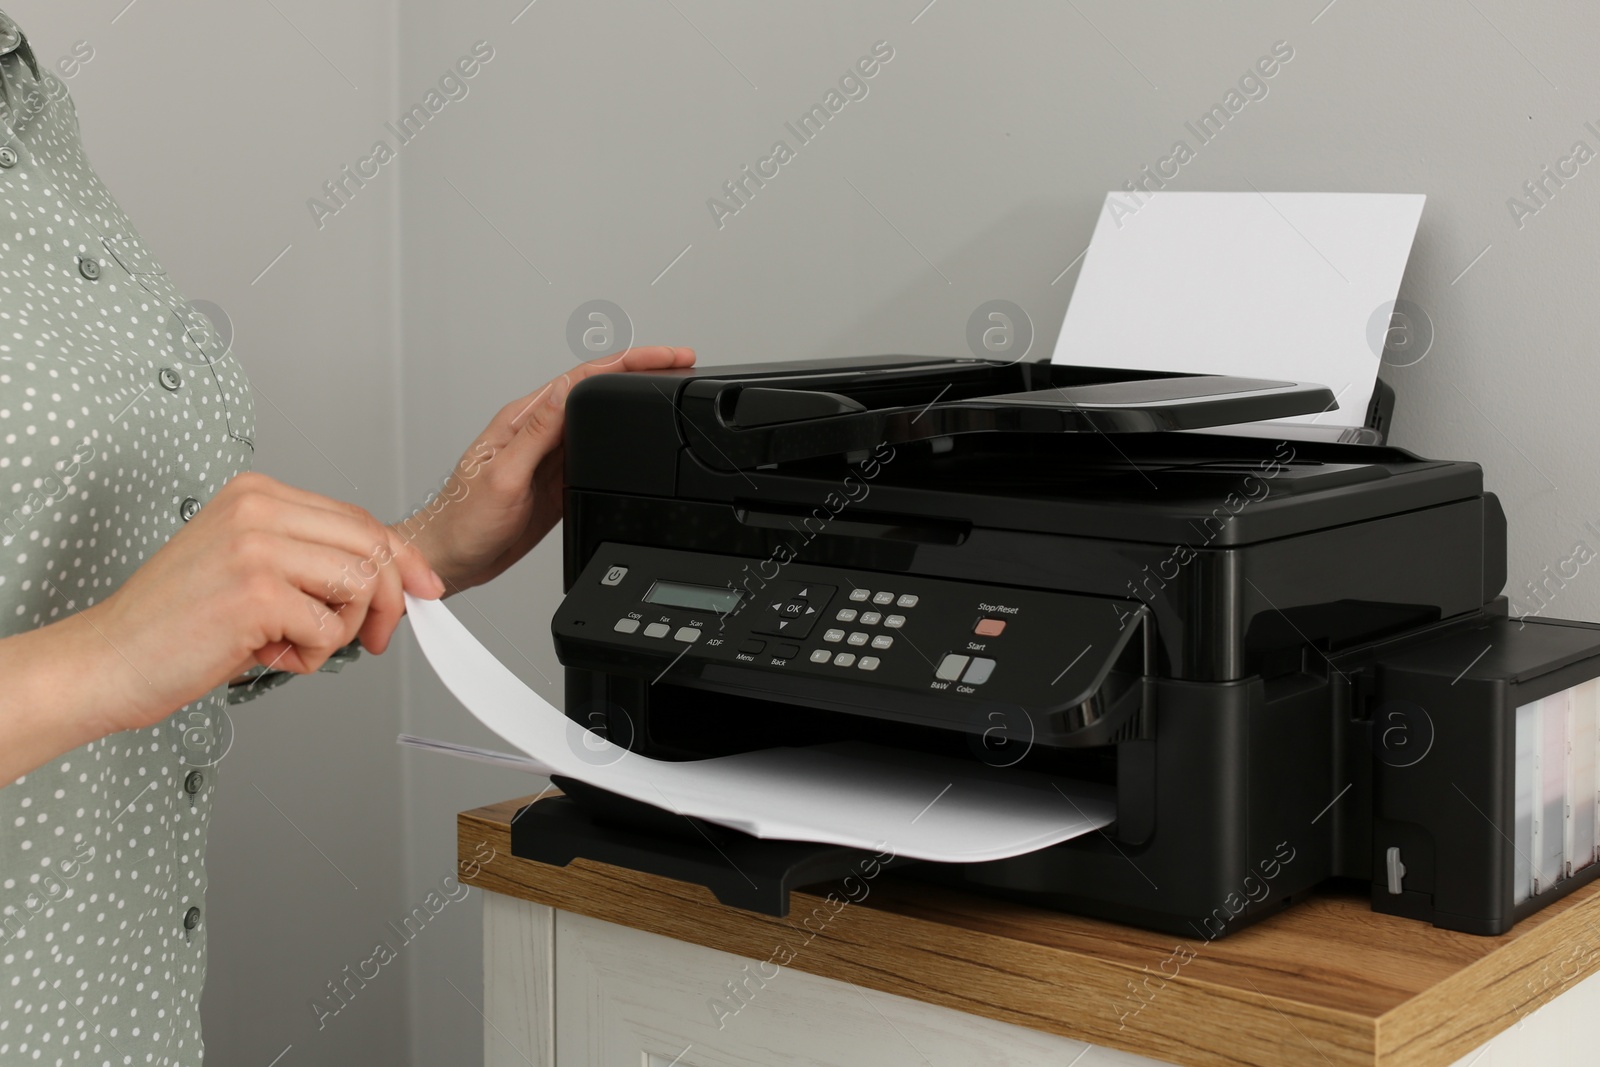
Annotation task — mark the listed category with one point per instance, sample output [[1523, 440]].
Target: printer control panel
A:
[[686, 615]]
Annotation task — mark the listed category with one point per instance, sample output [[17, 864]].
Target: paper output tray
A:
[[740, 871], [734, 423]]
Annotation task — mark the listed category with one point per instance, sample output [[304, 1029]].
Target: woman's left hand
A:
[[506, 493]]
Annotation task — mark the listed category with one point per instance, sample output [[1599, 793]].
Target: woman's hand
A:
[[266, 574], [506, 492]]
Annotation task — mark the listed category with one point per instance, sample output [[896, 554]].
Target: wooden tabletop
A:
[[1358, 987]]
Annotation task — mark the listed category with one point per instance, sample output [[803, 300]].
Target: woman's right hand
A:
[[264, 573]]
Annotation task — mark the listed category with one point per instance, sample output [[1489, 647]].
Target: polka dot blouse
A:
[[121, 414]]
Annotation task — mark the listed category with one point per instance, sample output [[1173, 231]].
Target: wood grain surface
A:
[[1327, 981]]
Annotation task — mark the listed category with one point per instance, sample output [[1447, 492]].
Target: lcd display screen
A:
[[695, 597]]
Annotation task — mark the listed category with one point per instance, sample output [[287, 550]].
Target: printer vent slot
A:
[[819, 521]]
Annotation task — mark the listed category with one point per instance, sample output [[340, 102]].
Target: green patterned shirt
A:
[[122, 412]]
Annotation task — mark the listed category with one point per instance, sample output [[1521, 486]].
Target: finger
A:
[[416, 576], [384, 611], [344, 582], [304, 628], [367, 592], [652, 357], [263, 488], [538, 435], [310, 637], [552, 392], [537, 420], [281, 656], [649, 357], [317, 520]]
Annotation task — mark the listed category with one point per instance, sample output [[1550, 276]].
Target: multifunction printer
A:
[[1289, 660]]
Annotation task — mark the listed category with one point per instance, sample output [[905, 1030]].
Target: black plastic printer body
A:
[[1289, 659]]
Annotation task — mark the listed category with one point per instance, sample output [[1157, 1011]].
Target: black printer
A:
[[1289, 659]]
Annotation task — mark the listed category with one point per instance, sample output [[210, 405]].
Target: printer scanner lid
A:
[[1024, 445], [739, 418]]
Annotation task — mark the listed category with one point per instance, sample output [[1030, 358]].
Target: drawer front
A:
[[625, 998]]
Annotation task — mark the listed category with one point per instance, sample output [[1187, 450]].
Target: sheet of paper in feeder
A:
[[1285, 286], [852, 795]]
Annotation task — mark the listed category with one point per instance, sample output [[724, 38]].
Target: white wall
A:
[[586, 150]]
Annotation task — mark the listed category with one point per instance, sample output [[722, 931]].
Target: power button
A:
[[614, 576]]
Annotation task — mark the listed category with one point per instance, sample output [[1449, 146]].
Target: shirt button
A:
[[193, 782], [89, 267], [191, 918], [189, 508], [8, 156], [170, 379]]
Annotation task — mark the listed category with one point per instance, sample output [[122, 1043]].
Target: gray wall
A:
[[579, 166]]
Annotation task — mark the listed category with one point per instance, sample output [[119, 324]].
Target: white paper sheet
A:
[[1288, 286], [856, 795], [487, 756]]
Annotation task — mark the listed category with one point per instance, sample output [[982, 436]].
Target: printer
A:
[[1288, 660]]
